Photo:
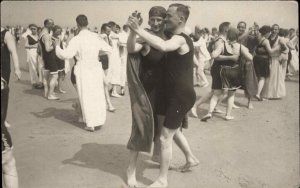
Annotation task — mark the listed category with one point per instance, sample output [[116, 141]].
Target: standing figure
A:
[[103, 58], [123, 36], [250, 83], [8, 51], [88, 72], [114, 72], [261, 58], [275, 84], [145, 67], [202, 56], [48, 55], [31, 45]]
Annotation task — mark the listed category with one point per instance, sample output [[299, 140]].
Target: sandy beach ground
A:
[[258, 149]]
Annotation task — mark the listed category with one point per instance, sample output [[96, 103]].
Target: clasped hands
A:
[[134, 21]]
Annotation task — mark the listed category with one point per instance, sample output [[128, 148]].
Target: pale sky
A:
[[204, 13]]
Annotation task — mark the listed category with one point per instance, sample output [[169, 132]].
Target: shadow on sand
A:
[[66, 115], [109, 158]]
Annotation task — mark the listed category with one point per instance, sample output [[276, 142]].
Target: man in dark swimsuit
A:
[[178, 82]]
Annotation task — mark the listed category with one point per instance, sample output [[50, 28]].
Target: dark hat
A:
[[158, 11]]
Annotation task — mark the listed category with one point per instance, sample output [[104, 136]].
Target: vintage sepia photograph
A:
[[150, 94]]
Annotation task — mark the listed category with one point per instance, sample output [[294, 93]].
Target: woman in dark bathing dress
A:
[[150, 76]]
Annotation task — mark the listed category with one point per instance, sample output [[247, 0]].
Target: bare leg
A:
[[107, 98], [131, 177], [213, 103], [250, 105], [230, 102], [61, 78], [202, 100], [166, 138], [53, 81], [9, 170], [114, 92], [182, 143], [261, 84], [157, 144], [46, 82]]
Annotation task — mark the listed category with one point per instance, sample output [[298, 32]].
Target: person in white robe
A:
[[123, 36], [89, 73], [114, 70]]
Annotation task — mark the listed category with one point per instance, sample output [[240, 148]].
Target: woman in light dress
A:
[[275, 85]]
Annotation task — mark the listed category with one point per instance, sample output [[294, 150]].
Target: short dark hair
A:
[[275, 25], [183, 9], [265, 29], [242, 22], [103, 27], [283, 32], [291, 30], [56, 27], [223, 25], [214, 29], [232, 34], [117, 26], [47, 21], [82, 20], [111, 24]]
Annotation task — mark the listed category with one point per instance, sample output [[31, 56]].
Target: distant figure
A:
[[123, 36], [31, 45]]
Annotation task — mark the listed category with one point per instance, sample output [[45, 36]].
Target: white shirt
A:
[[203, 52]]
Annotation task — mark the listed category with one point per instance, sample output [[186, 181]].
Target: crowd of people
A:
[[161, 65]]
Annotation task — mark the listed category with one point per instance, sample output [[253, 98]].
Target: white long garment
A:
[[203, 54], [89, 75], [123, 54], [32, 57], [114, 69]]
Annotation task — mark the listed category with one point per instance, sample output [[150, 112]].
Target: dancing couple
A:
[[160, 79]]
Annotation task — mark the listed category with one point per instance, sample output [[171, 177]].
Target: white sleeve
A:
[[104, 47], [68, 52]]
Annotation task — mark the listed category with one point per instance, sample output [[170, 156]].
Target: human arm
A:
[[245, 52], [156, 42], [132, 45], [27, 32], [68, 52], [283, 45], [11, 45], [48, 43], [196, 62], [270, 50], [104, 48], [216, 54], [291, 43]]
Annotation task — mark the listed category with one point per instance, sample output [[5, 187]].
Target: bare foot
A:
[[80, 120], [159, 183], [194, 112], [187, 167], [61, 91], [131, 179], [250, 106]]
